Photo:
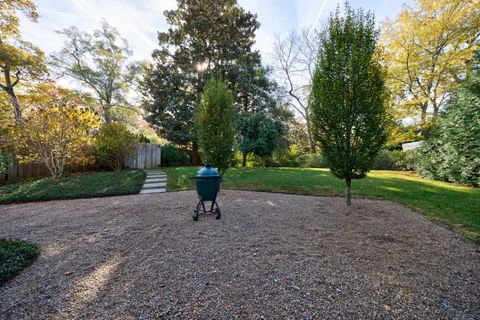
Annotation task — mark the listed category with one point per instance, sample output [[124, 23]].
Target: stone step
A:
[[154, 185], [156, 176], [155, 180], [157, 190]]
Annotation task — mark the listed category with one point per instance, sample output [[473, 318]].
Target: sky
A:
[[138, 21]]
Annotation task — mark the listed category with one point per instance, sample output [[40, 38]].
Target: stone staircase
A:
[[156, 182]]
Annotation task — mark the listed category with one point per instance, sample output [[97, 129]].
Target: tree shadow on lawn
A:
[[455, 206]]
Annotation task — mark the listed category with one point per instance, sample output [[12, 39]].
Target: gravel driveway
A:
[[271, 256]]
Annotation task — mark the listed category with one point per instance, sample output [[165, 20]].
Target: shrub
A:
[[287, 157], [406, 160], [15, 255], [171, 157], [313, 160], [384, 161], [396, 160], [113, 144], [4, 159], [452, 151]]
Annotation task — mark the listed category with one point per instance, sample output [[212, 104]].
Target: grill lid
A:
[[207, 171]]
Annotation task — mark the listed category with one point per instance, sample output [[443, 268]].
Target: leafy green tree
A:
[[452, 149], [205, 38], [101, 62], [113, 144], [19, 59], [348, 96], [215, 123], [259, 134]]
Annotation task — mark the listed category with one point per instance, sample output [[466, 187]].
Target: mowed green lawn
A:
[[91, 185], [455, 206]]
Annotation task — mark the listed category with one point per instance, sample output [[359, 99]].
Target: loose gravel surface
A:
[[271, 256]]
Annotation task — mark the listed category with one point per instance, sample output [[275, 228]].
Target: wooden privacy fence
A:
[[143, 156]]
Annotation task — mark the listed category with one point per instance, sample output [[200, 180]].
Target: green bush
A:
[[452, 151], [113, 144], [396, 160], [15, 255], [384, 161], [405, 160], [4, 159], [313, 160], [172, 157], [287, 157]]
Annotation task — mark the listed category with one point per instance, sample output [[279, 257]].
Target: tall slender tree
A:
[[348, 96], [215, 119]]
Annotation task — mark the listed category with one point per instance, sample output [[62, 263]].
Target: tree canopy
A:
[[19, 59], [101, 62], [259, 134], [428, 48]]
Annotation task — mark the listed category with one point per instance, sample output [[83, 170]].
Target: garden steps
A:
[[156, 182]]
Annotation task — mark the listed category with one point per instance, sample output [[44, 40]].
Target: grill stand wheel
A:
[[201, 209]]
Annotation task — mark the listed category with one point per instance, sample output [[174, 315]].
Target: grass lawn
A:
[[101, 184], [15, 255], [455, 206]]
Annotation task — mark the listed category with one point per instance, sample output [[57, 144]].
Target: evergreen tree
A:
[[348, 96], [215, 122], [452, 150]]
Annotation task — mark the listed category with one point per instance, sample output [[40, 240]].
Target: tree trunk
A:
[[435, 110], [311, 141], [423, 117], [195, 155], [348, 191], [313, 148], [107, 113], [16, 105], [244, 160], [8, 88]]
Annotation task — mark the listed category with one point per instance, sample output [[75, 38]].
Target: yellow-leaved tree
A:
[[56, 129], [19, 60], [428, 49]]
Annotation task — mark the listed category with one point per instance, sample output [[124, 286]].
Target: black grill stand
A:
[[201, 209]]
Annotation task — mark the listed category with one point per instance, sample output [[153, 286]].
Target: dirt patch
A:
[[271, 256]]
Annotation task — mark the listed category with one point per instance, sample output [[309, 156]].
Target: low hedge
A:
[[15, 255]]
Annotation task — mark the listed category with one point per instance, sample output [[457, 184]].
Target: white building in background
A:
[[411, 145]]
